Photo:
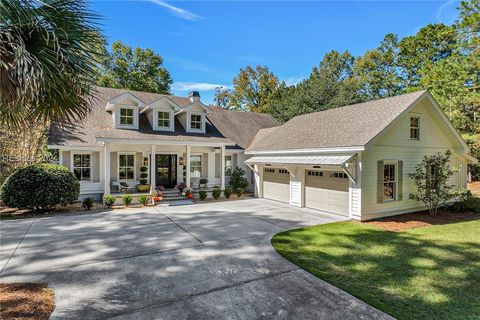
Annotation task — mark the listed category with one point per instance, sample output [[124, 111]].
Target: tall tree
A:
[[254, 89], [134, 69], [455, 79], [378, 72], [419, 52], [47, 60], [330, 84]]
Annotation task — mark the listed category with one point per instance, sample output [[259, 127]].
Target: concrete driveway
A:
[[205, 261]]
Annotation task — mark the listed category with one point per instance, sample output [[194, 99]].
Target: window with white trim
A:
[[196, 166], [126, 166], [389, 182], [163, 120], [196, 121], [82, 167], [415, 128], [126, 116]]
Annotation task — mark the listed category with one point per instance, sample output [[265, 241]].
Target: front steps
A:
[[173, 197]]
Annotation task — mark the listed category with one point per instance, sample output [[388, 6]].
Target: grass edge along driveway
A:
[[422, 273]]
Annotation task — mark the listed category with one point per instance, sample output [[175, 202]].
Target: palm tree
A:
[[48, 54]]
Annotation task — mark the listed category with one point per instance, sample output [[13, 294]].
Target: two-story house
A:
[[353, 161]]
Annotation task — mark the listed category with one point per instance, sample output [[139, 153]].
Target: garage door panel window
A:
[[283, 171], [269, 170], [339, 175], [315, 173]]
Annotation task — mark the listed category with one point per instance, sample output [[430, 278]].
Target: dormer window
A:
[[163, 121], [126, 117], [415, 128], [196, 122]]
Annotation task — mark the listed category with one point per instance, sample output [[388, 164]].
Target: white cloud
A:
[[440, 14], [196, 86], [293, 81], [179, 12]]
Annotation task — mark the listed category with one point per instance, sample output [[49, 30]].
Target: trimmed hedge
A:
[[40, 187]]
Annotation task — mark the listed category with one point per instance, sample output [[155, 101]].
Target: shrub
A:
[[143, 169], [227, 192], [431, 179], [239, 192], [108, 200], [237, 179], [216, 193], [40, 187], [202, 194], [143, 199], [87, 203], [143, 178], [468, 203], [127, 199], [180, 186]]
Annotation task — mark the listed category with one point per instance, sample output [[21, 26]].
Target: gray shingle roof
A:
[[353, 125], [238, 126], [99, 124]]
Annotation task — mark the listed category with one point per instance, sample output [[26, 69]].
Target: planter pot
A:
[[143, 187]]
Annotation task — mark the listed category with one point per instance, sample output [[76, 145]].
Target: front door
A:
[[166, 173]]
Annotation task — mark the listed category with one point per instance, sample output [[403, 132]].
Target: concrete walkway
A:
[[206, 261]]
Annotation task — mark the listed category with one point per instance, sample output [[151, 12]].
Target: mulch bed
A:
[[421, 219], [474, 187], [13, 213], [22, 301]]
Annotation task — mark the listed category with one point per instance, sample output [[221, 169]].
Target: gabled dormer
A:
[[161, 114], [192, 117], [125, 111]]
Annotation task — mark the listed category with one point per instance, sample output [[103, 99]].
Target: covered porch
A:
[[102, 169]]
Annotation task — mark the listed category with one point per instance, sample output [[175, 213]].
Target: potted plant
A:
[[188, 193], [143, 186]]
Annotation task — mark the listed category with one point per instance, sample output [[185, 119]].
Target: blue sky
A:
[[205, 43]]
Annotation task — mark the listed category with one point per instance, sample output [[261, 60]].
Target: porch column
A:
[[187, 163], [106, 167], [152, 167], [60, 157], [222, 167]]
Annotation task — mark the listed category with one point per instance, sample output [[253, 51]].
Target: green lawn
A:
[[423, 273]]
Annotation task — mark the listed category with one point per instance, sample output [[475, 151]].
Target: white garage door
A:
[[276, 184], [327, 191]]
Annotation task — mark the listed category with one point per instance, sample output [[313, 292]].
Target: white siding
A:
[[395, 144], [295, 193]]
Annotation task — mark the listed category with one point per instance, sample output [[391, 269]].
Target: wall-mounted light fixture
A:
[[180, 161], [317, 167]]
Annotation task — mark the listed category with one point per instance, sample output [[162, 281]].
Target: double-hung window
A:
[[126, 116], [163, 121], [195, 166], [126, 167], [196, 121], [228, 164], [389, 182], [415, 128], [82, 167]]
